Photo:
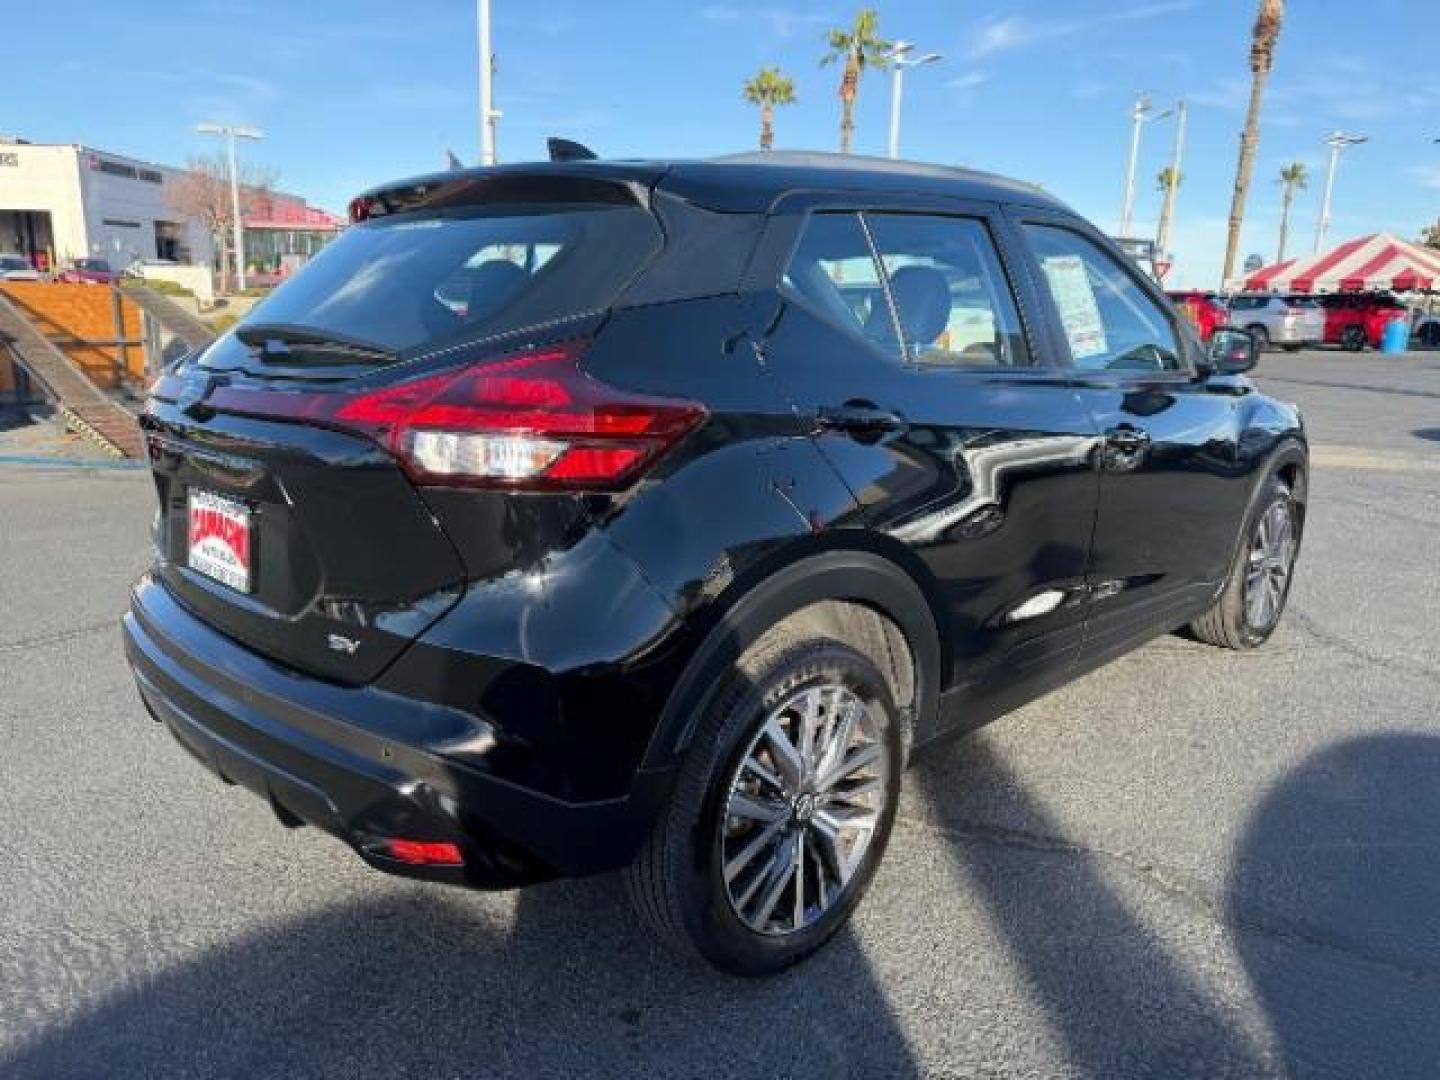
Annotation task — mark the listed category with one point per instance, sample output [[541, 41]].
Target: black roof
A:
[[753, 181]]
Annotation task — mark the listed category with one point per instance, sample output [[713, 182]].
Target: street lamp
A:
[[231, 132], [1167, 209], [899, 61], [1140, 112], [488, 113], [1337, 141]]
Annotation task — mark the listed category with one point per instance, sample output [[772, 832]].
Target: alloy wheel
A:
[[802, 808], [1272, 554]]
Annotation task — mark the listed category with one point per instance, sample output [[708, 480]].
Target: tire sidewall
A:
[[713, 924]]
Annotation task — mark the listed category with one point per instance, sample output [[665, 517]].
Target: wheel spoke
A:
[[757, 768], [841, 732], [782, 869], [763, 838], [798, 920], [748, 806], [851, 765], [783, 753]]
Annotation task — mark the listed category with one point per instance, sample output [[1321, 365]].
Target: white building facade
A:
[[64, 202]]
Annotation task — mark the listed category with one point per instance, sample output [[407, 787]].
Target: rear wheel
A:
[[1354, 338], [1261, 336], [781, 812], [1249, 607]]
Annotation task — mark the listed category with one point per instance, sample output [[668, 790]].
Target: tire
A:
[[1354, 339], [1261, 336], [678, 883], [1234, 621]]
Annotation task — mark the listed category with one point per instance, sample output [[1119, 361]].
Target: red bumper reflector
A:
[[424, 852]]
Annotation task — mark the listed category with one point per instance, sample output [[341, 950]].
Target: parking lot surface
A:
[[1191, 863]]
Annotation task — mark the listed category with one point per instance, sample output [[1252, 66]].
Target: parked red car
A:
[[1203, 309], [1355, 320], [89, 272]]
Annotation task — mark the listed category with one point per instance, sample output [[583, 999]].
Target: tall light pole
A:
[[898, 63], [1337, 141], [488, 115], [1140, 112], [1167, 209], [231, 132]]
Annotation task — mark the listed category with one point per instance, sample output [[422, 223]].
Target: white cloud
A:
[[782, 22], [1425, 175], [968, 81], [1228, 93], [1010, 32]]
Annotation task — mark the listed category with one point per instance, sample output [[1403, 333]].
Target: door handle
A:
[[1127, 438], [860, 418]]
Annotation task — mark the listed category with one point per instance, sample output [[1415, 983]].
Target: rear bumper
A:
[[365, 764]]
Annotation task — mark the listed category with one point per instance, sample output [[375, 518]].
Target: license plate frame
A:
[[220, 539]]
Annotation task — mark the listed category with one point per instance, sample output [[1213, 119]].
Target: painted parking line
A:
[[1360, 457], [40, 461]]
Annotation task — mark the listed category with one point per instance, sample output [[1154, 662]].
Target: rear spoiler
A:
[[569, 181]]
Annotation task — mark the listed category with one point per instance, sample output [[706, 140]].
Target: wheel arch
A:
[[858, 596]]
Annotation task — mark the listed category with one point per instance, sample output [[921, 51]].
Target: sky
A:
[[351, 95]]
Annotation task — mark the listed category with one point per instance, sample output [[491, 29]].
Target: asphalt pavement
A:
[[1191, 863]]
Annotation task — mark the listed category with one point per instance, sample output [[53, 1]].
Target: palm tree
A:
[[1293, 178], [767, 89], [1262, 57], [856, 47], [1168, 180]]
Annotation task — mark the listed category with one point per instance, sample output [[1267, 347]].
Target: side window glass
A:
[[953, 300], [833, 269], [1109, 321]]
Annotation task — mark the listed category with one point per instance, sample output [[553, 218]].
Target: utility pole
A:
[[487, 74], [231, 132], [1167, 209], [1139, 113], [898, 64], [1337, 141]]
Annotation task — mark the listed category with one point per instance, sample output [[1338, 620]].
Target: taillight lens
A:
[[532, 420]]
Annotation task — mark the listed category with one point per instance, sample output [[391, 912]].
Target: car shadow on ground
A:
[[422, 981]]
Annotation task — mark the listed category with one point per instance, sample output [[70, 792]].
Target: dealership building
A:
[[62, 202]]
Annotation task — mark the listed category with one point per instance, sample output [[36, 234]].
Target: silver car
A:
[[1289, 321], [17, 268]]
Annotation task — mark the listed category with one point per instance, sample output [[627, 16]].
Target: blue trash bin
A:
[[1396, 337]]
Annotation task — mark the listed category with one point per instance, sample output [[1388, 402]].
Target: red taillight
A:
[[424, 852], [528, 421]]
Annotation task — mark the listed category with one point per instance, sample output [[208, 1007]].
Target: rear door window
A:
[[407, 282], [951, 294]]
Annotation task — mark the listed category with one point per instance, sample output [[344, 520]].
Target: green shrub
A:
[[159, 285], [221, 321]]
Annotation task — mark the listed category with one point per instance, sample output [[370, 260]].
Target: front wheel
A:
[[781, 812], [1261, 336], [1354, 339], [1249, 607]]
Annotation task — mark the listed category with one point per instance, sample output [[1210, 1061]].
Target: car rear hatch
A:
[[294, 516]]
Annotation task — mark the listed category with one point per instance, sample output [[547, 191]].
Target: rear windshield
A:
[[409, 281]]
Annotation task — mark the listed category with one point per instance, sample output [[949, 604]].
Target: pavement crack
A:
[[1307, 624], [1224, 910], [41, 640]]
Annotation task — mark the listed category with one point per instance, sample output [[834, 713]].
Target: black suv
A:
[[569, 517]]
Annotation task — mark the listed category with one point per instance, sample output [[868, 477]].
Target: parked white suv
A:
[[1290, 321]]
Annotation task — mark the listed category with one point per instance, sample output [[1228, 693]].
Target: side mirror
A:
[[1232, 352]]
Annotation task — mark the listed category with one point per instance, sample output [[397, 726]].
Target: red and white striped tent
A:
[[1376, 262]]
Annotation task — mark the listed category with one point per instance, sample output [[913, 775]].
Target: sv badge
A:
[[341, 643]]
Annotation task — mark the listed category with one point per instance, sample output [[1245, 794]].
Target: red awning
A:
[[1376, 262]]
